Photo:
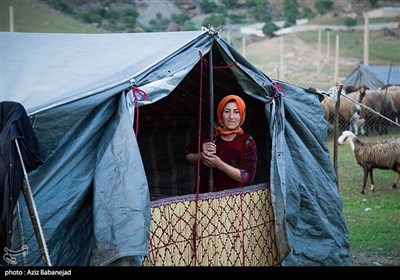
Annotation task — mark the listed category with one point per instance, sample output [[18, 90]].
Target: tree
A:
[[349, 22], [307, 13], [208, 7], [259, 9], [269, 28], [290, 12], [230, 3], [373, 2], [323, 6]]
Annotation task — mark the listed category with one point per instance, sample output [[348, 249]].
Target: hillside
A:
[[153, 14], [300, 50]]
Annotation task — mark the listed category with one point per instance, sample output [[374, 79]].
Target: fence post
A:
[[328, 36], [244, 46], [11, 10], [336, 134], [366, 40], [319, 53], [337, 58], [281, 56]]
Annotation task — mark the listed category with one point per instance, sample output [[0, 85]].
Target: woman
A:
[[232, 155]]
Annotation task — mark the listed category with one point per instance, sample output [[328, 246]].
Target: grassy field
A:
[[33, 16], [382, 50], [373, 219]]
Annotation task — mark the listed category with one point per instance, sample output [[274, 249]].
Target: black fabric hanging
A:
[[14, 124]]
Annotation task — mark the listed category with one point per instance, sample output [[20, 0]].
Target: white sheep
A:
[[383, 154]]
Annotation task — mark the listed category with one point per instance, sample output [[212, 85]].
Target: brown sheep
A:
[[381, 154], [379, 103], [393, 92], [347, 107]]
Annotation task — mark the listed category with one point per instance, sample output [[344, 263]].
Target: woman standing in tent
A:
[[232, 154]]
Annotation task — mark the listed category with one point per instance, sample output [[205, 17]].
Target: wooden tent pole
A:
[[336, 134], [211, 79], [27, 192]]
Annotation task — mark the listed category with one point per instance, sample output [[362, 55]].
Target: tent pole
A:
[[336, 134], [27, 192], [210, 60]]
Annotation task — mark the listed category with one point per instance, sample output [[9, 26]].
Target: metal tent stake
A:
[[27, 192]]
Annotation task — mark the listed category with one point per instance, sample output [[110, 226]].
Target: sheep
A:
[[393, 92], [382, 104], [356, 122], [380, 154], [347, 107]]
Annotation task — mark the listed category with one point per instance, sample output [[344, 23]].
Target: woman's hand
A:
[[209, 148], [208, 155], [211, 160]]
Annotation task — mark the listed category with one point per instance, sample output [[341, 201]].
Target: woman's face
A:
[[231, 115]]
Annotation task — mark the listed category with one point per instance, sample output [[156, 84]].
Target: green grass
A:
[[382, 50], [373, 219], [34, 16]]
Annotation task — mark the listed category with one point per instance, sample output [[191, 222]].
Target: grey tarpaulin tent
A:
[[373, 76], [93, 190]]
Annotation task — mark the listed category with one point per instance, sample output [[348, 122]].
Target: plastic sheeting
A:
[[373, 76], [314, 214], [92, 192]]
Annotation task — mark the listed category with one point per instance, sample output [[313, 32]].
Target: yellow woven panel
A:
[[227, 229]]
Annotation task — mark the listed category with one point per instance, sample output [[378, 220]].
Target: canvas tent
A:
[[373, 76], [93, 189]]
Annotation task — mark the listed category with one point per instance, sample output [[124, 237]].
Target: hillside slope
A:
[[35, 16], [299, 54]]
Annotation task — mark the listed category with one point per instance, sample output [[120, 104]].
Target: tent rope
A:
[[202, 62], [199, 157], [368, 108], [243, 231], [278, 90], [146, 97]]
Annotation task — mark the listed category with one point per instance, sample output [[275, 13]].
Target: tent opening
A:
[[168, 125]]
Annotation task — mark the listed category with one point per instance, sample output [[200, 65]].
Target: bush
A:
[[237, 18], [207, 7], [323, 6], [349, 22], [189, 26], [269, 28], [215, 21]]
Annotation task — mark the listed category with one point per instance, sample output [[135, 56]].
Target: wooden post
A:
[[319, 53], [366, 40], [11, 19], [336, 134], [30, 203], [281, 62], [328, 45], [211, 85], [244, 47], [336, 59]]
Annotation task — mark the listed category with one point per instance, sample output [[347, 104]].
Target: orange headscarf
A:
[[219, 127]]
